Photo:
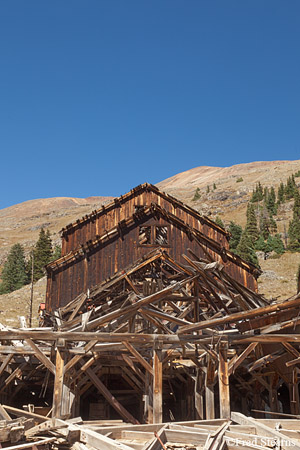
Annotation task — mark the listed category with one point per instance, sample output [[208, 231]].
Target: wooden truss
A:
[[159, 342]]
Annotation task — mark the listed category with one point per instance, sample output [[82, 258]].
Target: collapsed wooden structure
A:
[[177, 342], [239, 431], [161, 341]]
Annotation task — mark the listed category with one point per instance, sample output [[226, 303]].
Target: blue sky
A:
[[99, 96]]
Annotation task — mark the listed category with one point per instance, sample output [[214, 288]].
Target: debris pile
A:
[[164, 348]]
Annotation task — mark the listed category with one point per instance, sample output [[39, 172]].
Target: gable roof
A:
[[143, 213], [146, 187]]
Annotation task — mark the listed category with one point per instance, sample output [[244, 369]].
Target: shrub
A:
[[197, 195]]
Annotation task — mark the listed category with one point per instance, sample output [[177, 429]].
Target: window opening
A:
[[144, 235], [161, 236], [153, 235]]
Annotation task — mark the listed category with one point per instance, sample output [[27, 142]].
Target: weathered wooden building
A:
[[113, 237]]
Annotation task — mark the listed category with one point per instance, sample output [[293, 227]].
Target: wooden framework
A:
[[98, 246], [175, 343], [160, 341]]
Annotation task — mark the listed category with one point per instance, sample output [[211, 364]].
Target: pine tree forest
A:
[[18, 270]]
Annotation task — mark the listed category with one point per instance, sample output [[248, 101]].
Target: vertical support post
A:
[[258, 404], [199, 394], [273, 397], [68, 398], [157, 384], [224, 382], [210, 402], [209, 389], [58, 383], [294, 393], [148, 399], [196, 302], [190, 398]]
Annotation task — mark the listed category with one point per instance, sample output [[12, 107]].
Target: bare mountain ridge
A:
[[234, 186], [205, 175], [22, 222], [48, 205]]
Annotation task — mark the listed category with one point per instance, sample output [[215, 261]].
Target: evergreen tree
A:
[[215, 187], [251, 225], [236, 232], [294, 225], [273, 225], [42, 254], [197, 195], [207, 189], [277, 244], [266, 193], [264, 223], [219, 222], [296, 208], [56, 252], [289, 190], [269, 244], [14, 270], [260, 244], [280, 194], [245, 249], [271, 202], [257, 194], [260, 191]]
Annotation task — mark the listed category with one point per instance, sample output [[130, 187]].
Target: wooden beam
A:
[[157, 386], [210, 402], [109, 397], [235, 362], [16, 373], [139, 357], [5, 363], [77, 358], [58, 383], [4, 414], [40, 356], [265, 430], [134, 367], [224, 383], [94, 439], [81, 300], [22, 413], [209, 388], [240, 316]]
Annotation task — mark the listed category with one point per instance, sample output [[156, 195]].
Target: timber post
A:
[[157, 383], [58, 381], [224, 396]]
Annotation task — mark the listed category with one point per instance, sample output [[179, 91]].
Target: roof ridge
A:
[[146, 186], [154, 207]]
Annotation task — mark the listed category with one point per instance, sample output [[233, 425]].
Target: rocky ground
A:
[[17, 304]]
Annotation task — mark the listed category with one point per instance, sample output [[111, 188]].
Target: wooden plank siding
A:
[[99, 263], [123, 207]]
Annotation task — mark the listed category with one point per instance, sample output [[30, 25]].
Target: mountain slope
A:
[[22, 222], [234, 185]]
